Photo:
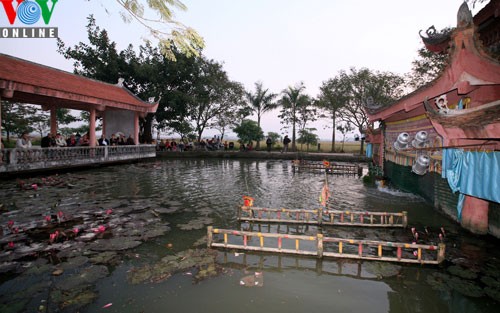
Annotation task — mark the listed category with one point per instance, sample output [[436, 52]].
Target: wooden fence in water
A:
[[326, 167], [323, 217], [320, 246]]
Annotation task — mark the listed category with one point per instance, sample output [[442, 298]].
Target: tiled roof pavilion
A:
[[29, 82], [40, 84]]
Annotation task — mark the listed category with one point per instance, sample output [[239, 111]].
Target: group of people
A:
[[172, 145], [74, 140], [183, 145], [213, 144]]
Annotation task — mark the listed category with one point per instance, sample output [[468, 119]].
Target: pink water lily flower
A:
[[100, 229], [53, 237]]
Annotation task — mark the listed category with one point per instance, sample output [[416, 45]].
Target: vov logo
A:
[[28, 12]]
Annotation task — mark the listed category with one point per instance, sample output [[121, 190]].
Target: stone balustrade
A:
[[20, 160]]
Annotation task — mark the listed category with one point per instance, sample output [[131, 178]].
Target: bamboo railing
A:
[[327, 167], [320, 246], [323, 217]]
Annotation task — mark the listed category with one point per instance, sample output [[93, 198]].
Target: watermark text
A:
[[28, 32]]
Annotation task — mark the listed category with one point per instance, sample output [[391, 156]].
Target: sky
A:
[[278, 42]]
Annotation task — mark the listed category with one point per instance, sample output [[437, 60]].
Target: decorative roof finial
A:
[[464, 16], [120, 81]]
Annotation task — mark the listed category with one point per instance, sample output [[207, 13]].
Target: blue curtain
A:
[[369, 150], [470, 173]]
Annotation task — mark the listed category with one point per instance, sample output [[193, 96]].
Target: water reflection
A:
[[186, 190]]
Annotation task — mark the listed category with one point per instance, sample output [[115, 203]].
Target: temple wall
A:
[[436, 191], [408, 157], [494, 219], [119, 121]]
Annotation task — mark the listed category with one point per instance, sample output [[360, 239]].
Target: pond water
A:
[[140, 240]]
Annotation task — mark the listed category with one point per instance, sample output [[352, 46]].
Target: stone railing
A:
[[17, 160]]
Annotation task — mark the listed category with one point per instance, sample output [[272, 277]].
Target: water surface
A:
[[213, 189]]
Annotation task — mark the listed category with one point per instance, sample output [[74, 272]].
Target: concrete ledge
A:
[[264, 155]]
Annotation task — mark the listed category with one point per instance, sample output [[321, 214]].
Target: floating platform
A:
[[320, 247], [323, 217], [326, 167]]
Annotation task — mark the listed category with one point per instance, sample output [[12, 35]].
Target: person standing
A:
[[286, 141], [23, 141], [103, 141], [46, 141], [60, 141], [269, 143]]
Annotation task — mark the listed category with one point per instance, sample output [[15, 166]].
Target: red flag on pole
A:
[[325, 194]]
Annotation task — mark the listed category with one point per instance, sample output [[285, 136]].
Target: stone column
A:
[[136, 127], [104, 124], [0, 117], [92, 128], [475, 215], [53, 121]]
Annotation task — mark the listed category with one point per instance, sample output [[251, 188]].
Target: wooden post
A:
[[53, 121], [441, 252], [320, 216], [92, 137], [320, 245], [405, 219], [209, 236], [136, 127]]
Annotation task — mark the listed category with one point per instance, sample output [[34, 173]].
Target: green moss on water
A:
[[368, 180], [462, 272], [14, 307]]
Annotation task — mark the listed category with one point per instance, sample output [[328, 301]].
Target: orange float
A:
[[247, 201]]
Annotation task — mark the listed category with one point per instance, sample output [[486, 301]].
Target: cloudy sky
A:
[[278, 42]]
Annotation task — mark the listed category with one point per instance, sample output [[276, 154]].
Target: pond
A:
[[132, 238]]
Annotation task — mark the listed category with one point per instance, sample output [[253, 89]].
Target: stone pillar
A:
[[92, 128], [136, 127], [475, 215], [0, 117], [53, 121], [104, 125]]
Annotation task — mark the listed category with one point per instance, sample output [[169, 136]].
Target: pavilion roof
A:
[[469, 68], [29, 82]]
